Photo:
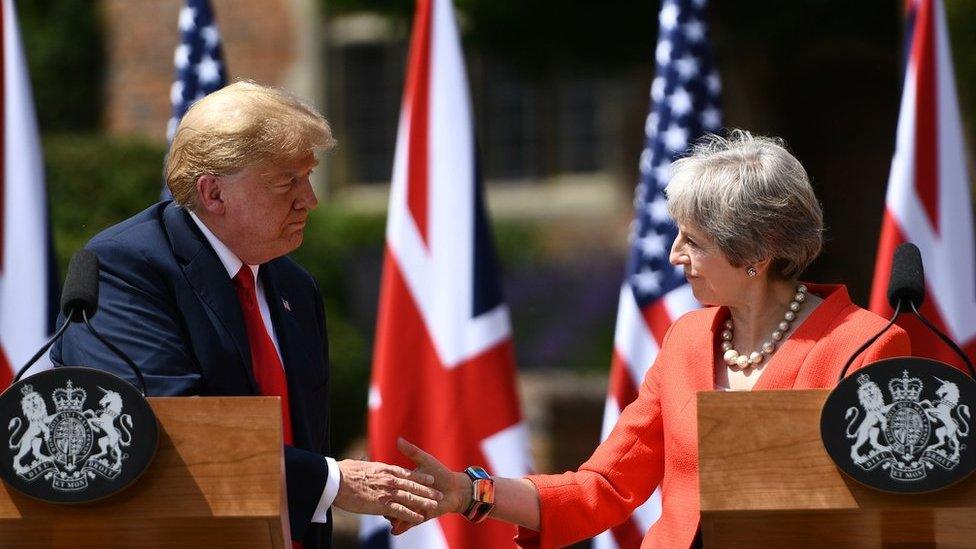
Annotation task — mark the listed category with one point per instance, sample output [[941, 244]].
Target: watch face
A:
[[484, 491]]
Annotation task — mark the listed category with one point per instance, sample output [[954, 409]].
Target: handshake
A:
[[405, 498]]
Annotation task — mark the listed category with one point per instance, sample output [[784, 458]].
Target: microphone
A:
[[79, 298], [79, 303], [907, 282], [906, 290]]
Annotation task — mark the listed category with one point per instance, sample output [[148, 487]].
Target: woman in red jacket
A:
[[749, 224]]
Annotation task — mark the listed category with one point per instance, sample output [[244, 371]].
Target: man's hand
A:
[[455, 487], [375, 488]]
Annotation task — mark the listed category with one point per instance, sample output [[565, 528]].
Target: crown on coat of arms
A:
[[69, 397], [905, 388]]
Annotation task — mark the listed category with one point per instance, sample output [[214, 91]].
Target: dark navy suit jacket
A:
[[166, 301]]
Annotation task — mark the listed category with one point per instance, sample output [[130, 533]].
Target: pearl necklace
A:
[[744, 362]]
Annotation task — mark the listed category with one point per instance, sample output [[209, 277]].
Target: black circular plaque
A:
[[902, 425], [75, 435]]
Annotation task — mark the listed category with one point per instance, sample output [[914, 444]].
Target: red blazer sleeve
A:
[[619, 476]]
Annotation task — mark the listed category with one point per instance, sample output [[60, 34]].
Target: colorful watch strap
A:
[[482, 494]]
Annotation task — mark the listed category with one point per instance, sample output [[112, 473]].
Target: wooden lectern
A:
[[766, 481], [217, 481]]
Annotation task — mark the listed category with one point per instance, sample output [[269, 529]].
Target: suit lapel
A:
[[704, 346], [208, 277], [782, 370], [293, 355]]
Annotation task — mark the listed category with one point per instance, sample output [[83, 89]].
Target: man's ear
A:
[[209, 197]]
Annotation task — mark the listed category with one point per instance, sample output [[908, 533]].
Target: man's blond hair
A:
[[243, 124]]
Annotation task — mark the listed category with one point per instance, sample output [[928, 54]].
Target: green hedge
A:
[[64, 43], [94, 182]]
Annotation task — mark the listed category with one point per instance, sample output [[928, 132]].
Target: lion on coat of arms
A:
[[874, 422], [36, 433]]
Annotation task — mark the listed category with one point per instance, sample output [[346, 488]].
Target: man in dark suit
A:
[[199, 293]]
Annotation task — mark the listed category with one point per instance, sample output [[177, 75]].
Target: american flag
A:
[[928, 201], [684, 105], [199, 60]]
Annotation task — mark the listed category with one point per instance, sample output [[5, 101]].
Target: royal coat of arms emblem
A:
[[75, 434], [73, 444], [902, 425], [896, 435]]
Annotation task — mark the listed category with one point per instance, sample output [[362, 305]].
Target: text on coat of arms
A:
[[62, 446], [897, 436]]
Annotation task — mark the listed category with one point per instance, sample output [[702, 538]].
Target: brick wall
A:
[[264, 40]]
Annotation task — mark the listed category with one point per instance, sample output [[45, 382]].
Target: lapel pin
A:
[[287, 306]]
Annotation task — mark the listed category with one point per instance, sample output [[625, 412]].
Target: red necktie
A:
[[265, 363]]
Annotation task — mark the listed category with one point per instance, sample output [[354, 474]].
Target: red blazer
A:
[[655, 440]]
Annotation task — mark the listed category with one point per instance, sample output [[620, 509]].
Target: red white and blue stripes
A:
[[443, 365]]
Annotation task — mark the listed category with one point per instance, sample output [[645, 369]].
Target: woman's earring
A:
[[752, 272]]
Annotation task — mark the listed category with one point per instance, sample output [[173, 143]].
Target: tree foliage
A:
[[63, 40]]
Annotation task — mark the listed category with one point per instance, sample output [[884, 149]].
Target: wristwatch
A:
[[482, 494]]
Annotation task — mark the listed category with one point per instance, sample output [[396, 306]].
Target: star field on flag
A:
[[684, 105], [198, 60]]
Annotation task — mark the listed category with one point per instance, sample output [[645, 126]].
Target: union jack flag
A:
[[684, 105], [443, 363], [199, 60], [928, 201]]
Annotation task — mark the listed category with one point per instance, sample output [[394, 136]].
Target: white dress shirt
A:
[[233, 264]]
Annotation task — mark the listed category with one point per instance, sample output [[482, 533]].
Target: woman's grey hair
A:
[[752, 197]]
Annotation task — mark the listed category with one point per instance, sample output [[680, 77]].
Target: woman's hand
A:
[[455, 486]]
